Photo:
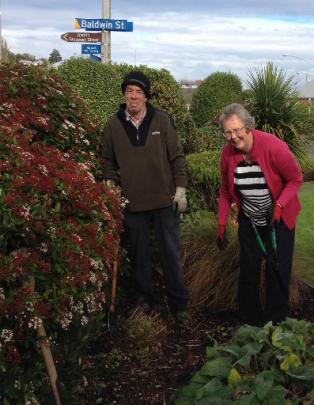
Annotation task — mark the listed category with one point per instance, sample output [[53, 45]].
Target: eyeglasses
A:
[[236, 131]]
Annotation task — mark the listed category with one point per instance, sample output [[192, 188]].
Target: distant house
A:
[[187, 91], [35, 62]]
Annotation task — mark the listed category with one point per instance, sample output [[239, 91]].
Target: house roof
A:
[[307, 90]]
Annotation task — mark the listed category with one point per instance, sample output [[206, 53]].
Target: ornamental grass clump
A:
[[59, 233], [212, 275]]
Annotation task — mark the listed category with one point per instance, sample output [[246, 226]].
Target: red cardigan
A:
[[282, 174]]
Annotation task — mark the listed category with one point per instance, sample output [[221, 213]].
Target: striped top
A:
[[250, 184]]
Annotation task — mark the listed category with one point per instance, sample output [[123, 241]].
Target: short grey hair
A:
[[240, 112]]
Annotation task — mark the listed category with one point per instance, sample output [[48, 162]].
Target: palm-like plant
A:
[[273, 104]]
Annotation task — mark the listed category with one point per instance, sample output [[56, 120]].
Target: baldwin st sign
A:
[[81, 36], [103, 24]]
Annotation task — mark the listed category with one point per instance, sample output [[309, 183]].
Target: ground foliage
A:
[[269, 365], [124, 369]]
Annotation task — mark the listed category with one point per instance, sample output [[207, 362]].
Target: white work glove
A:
[[180, 199]]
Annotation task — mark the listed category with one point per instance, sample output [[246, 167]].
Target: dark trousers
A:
[[277, 274], [138, 243]]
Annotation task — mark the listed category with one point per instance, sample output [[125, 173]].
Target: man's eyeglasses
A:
[[236, 131]]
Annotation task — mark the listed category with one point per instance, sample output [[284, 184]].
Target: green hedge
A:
[[204, 178], [99, 85], [216, 91]]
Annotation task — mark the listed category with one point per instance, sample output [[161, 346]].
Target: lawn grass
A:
[[304, 244]]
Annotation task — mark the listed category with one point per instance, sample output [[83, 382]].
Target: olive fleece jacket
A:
[[148, 163]]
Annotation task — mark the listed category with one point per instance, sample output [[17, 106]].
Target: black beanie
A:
[[137, 78]]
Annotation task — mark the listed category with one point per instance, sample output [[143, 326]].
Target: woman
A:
[[259, 174]]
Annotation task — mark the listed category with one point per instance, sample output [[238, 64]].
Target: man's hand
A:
[[221, 239], [276, 213], [180, 199]]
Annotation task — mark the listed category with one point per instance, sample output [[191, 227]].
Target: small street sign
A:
[[87, 49], [81, 36], [94, 58], [103, 24]]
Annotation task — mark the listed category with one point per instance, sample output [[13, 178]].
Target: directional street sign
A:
[[95, 58], [94, 49], [103, 24], [81, 36]]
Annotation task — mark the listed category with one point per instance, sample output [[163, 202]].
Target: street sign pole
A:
[[106, 35]]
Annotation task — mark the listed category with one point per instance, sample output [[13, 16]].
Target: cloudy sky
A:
[[191, 38]]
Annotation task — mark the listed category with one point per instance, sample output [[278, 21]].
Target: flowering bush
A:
[[59, 227], [36, 102]]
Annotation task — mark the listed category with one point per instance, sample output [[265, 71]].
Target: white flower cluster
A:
[[44, 170], [84, 381], [66, 320], [68, 124], [6, 335], [2, 296], [51, 231], [91, 304], [44, 247], [84, 320], [96, 264], [25, 211], [43, 120], [34, 323], [27, 155]]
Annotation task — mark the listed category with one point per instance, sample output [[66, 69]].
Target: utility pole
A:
[[106, 35]]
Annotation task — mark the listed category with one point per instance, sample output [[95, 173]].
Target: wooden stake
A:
[[47, 355]]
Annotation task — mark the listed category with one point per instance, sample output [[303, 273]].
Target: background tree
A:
[[213, 94], [273, 103], [6, 55], [55, 56], [24, 56]]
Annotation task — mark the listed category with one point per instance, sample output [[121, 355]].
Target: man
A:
[[142, 154]]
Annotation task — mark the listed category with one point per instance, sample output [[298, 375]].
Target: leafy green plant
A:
[[217, 90], [269, 365]]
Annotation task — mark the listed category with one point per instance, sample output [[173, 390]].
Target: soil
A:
[[142, 369]]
